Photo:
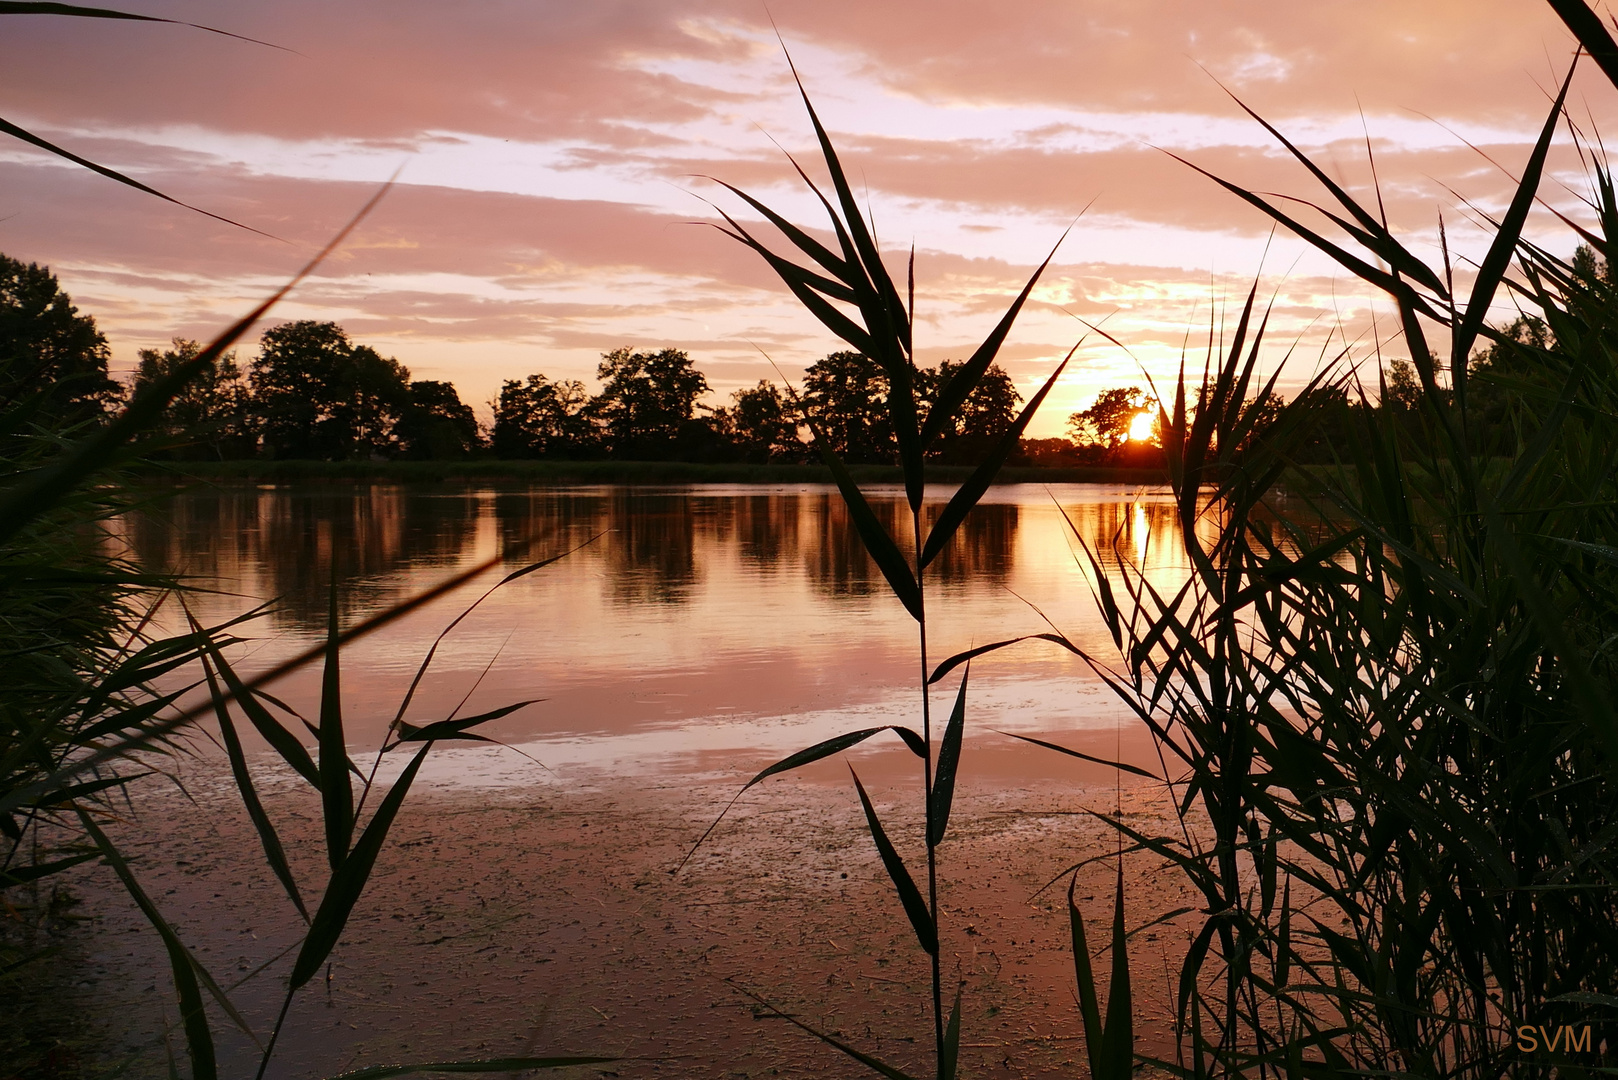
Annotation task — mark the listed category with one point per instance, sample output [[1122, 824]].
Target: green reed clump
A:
[[1188, 668], [68, 742], [1454, 805], [1393, 710], [854, 276]]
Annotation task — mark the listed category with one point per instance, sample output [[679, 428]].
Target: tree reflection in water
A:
[[658, 545], [283, 543]]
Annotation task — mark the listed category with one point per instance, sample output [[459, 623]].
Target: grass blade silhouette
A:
[[949, 761], [921, 919]]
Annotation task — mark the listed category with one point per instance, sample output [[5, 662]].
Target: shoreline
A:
[[607, 472]]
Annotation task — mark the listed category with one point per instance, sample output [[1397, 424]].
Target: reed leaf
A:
[[336, 795], [269, 839], [950, 1055], [348, 879], [1504, 245], [876, 1065], [967, 495], [33, 872], [441, 730], [818, 752], [1119, 765], [965, 379], [921, 918], [36, 493], [282, 741], [1117, 1056], [949, 761], [883, 551]]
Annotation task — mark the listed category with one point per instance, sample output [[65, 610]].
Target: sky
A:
[[554, 164]]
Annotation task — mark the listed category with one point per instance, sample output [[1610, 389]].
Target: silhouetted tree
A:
[[989, 410], [646, 400], [1403, 387], [845, 396], [1106, 422], [537, 418], [436, 425], [48, 349], [762, 424], [1330, 412], [320, 396], [212, 417]]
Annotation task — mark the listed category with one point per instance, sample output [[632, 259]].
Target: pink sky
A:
[[551, 154]]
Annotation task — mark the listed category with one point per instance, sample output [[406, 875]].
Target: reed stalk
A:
[[854, 276]]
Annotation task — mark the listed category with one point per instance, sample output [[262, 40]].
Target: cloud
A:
[[554, 148]]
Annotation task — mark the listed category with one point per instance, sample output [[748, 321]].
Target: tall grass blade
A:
[[968, 494], [949, 1055], [1084, 975], [198, 1036], [432, 651], [1370, 232], [876, 1065], [24, 7], [20, 796], [1117, 1057], [24, 874], [1592, 34], [269, 839], [804, 284], [949, 761], [966, 378], [953, 662], [818, 752], [349, 878], [171, 941], [29, 137], [336, 794], [804, 242], [1122, 766], [444, 730], [17, 7], [269, 728], [1504, 244], [921, 919], [884, 552]]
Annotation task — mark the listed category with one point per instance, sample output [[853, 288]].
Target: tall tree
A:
[[320, 396], [845, 398], [48, 351], [762, 423], [645, 401], [987, 413], [436, 424], [1106, 422], [537, 418], [211, 418]]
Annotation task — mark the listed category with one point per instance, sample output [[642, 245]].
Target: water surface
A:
[[701, 627]]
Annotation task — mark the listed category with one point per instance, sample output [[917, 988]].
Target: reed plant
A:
[[66, 744], [1385, 709], [850, 290]]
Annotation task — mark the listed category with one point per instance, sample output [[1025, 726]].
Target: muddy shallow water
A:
[[524, 902], [545, 920]]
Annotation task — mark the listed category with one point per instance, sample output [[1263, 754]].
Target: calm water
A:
[[707, 627]]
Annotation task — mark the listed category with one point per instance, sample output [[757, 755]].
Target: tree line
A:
[[312, 393]]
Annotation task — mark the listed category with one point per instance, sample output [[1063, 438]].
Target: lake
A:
[[697, 635], [698, 628]]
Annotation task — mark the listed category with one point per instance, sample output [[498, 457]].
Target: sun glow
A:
[[1140, 428]]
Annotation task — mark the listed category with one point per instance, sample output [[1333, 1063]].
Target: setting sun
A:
[[1140, 428]]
